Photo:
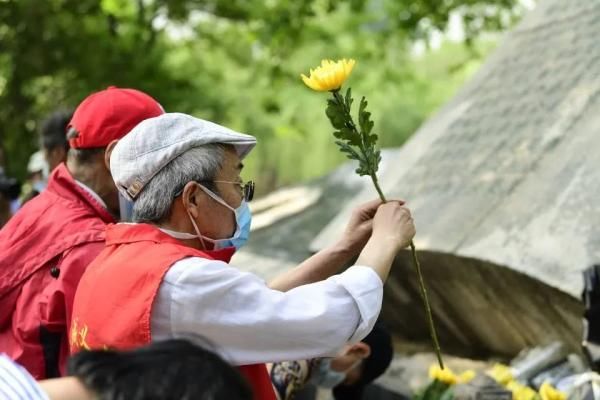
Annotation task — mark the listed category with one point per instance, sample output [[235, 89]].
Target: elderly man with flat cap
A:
[[167, 274]]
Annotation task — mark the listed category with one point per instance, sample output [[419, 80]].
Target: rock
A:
[[481, 388]]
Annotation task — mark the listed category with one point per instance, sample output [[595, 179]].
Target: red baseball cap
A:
[[109, 115]]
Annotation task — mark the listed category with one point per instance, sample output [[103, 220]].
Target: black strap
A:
[[50, 342]]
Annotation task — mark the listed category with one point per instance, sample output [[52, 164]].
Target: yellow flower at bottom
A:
[[547, 392], [501, 374], [466, 376], [331, 75], [521, 392], [443, 375], [447, 376]]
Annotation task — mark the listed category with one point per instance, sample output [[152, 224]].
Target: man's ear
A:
[[359, 350], [108, 152], [191, 199]]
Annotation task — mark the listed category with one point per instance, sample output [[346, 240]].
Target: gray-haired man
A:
[[168, 274]]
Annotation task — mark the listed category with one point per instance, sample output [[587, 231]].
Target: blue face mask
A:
[[243, 219], [326, 377]]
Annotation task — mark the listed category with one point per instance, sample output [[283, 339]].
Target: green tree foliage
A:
[[236, 62]]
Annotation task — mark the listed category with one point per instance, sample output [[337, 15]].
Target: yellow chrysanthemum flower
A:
[[547, 392], [444, 375], [447, 376], [521, 392], [501, 374], [331, 75], [466, 376]]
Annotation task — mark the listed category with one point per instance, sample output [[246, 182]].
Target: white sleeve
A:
[[250, 323], [16, 383]]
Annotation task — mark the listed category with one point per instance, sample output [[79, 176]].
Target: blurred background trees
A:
[[237, 62]]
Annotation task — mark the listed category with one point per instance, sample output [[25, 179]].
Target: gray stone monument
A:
[[482, 387], [504, 184]]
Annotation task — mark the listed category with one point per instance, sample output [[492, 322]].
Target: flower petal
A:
[[330, 75], [311, 83]]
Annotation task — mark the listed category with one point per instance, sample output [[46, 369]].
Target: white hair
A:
[[199, 164]]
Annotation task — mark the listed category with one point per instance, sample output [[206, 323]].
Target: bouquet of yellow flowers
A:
[[504, 376], [443, 383]]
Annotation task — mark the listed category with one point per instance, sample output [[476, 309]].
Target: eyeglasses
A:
[[247, 188]]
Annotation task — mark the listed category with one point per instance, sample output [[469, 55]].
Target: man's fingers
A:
[[370, 208], [373, 204], [367, 224], [401, 202]]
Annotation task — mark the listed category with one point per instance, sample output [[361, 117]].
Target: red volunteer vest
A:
[[44, 250], [113, 302]]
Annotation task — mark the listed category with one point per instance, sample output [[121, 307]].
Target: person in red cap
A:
[[46, 246]]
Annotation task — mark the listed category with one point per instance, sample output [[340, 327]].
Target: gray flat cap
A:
[[154, 142]]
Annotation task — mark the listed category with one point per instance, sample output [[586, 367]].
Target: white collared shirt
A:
[[201, 299]]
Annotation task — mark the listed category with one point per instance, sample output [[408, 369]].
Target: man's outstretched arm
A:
[[332, 259]]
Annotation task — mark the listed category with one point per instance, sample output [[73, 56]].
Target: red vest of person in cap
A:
[[46, 246], [122, 320]]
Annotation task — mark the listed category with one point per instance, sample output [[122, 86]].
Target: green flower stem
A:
[[432, 332], [376, 183], [415, 259], [350, 124]]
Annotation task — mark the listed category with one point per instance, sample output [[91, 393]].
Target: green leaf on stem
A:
[[364, 118], [349, 151], [349, 99], [335, 113]]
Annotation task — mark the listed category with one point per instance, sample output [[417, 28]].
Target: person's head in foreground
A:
[[97, 125], [183, 174], [173, 369], [362, 363], [347, 374]]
